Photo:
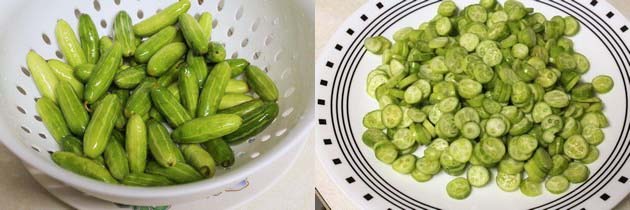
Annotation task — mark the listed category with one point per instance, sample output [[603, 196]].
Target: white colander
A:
[[273, 34]]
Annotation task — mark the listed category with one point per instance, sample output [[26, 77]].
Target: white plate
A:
[[342, 102], [233, 196]]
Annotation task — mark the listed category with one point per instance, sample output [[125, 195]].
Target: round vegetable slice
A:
[[575, 147], [461, 150], [531, 188], [508, 182], [557, 184], [391, 115], [576, 172], [428, 166], [386, 152], [404, 164], [478, 176], [458, 188], [602, 83], [403, 139]]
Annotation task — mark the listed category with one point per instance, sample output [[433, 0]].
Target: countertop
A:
[[330, 14]]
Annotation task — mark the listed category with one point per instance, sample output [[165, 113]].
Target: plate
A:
[[342, 102], [233, 196]]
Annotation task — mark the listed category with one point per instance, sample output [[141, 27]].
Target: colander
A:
[[275, 35]]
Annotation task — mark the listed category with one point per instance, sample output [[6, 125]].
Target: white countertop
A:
[[330, 14]]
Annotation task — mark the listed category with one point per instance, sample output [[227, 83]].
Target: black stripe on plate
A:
[[590, 26], [620, 152], [355, 44], [358, 154]]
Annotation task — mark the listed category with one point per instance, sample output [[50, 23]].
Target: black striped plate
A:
[[342, 102]]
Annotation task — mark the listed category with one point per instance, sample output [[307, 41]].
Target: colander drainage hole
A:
[[256, 55], [268, 39], [281, 132], [46, 39], [255, 155], [140, 14], [215, 22], [25, 129], [277, 56], [59, 54], [97, 5], [37, 117], [287, 112], [289, 92], [77, 13], [230, 31], [256, 24], [220, 5], [235, 55], [103, 23], [21, 90], [265, 138], [285, 73], [117, 2], [239, 13], [41, 135], [25, 71], [19, 108], [35, 148], [245, 42]]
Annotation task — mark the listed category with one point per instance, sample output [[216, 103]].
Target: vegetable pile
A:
[[490, 86], [107, 103]]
